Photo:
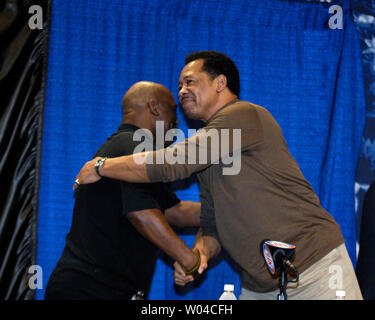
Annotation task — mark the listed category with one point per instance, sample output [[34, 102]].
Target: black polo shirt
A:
[[105, 257]]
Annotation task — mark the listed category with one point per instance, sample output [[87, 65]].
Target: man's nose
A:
[[181, 92]]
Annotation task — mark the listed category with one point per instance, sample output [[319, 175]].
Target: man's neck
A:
[[220, 104], [138, 122]]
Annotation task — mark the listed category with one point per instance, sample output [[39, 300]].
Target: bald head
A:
[[147, 102], [141, 93]]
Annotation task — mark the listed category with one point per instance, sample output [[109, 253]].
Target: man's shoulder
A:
[[239, 114], [245, 106], [120, 143]]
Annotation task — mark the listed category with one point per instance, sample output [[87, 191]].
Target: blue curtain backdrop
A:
[[308, 75]]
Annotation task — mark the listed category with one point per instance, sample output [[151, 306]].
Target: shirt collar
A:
[[127, 127]]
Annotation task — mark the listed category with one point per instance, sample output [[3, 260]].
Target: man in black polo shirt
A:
[[111, 248]]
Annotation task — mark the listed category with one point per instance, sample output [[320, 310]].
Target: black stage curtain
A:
[[23, 65], [366, 257]]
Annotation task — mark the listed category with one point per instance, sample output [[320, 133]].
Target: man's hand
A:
[[87, 174], [180, 278]]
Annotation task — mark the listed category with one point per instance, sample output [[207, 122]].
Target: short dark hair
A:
[[216, 63]]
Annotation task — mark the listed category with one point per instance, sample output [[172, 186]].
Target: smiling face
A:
[[197, 91]]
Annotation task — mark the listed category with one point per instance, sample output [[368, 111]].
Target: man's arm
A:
[[123, 168], [206, 240], [133, 168], [152, 224], [245, 132], [184, 214], [137, 167]]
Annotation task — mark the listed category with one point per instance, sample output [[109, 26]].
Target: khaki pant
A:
[[320, 281]]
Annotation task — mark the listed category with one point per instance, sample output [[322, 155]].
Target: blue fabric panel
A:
[[308, 75]]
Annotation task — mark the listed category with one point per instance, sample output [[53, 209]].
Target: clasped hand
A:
[[179, 275]]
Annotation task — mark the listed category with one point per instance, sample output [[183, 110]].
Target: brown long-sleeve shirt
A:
[[268, 198]]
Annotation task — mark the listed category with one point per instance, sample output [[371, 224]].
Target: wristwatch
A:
[[98, 164]]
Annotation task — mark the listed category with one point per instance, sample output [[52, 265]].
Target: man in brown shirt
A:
[[251, 188]]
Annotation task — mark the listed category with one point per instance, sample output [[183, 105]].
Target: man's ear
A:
[[153, 106], [221, 82]]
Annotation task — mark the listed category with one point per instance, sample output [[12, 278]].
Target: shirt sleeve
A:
[[232, 131], [138, 196], [168, 198], [207, 220], [143, 196]]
